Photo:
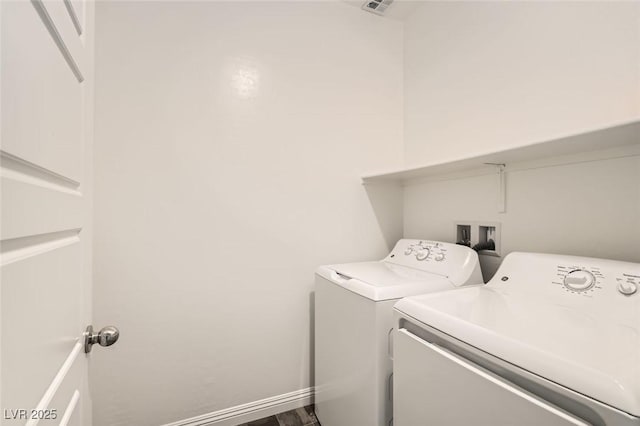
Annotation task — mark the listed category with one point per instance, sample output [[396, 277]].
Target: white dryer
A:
[[550, 340], [354, 320]]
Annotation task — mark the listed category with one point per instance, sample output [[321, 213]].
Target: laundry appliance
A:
[[550, 340], [354, 323]]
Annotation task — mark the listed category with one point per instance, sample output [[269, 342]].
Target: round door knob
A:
[[107, 336], [627, 288]]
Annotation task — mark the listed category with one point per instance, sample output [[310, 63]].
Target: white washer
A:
[[354, 319], [550, 340]]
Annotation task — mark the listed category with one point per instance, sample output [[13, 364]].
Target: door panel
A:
[[58, 20], [31, 214], [42, 99], [75, 8], [433, 386], [39, 298], [45, 210]]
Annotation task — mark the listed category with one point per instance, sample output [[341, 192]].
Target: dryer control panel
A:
[[578, 287], [579, 279], [589, 279], [628, 283], [609, 287]]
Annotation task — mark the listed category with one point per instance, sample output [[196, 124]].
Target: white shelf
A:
[[617, 140]]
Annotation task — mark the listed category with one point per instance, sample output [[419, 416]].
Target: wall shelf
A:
[[619, 140]]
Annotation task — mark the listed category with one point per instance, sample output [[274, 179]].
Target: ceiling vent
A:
[[377, 6]]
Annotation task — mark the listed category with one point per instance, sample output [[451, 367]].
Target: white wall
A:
[[584, 209], [485, 76], [229, 142]]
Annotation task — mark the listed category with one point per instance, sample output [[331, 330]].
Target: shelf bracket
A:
[[502, 193]]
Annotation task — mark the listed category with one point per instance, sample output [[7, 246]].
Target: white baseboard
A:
[[251, 411]]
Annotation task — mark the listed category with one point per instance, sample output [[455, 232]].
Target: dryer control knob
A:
[[440, 257], [422, 254], [408, 251], [579, 280], [627, 288]]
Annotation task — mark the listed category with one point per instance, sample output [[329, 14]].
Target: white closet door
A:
[[433, 386], [45, 247]]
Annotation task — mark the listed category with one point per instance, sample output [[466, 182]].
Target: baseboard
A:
[[251, 411]]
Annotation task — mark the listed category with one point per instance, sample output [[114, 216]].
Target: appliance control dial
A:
[[408, 251], [627, 288], [423, 254], [579, 280], [439, 257]]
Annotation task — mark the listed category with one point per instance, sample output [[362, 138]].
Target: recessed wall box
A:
[[487, 232], [472, 233], [463, 234]]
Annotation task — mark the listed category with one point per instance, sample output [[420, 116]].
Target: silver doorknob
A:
[[107, 336]]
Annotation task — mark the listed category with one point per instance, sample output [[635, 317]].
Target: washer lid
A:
[[587, 342], [383, 281]]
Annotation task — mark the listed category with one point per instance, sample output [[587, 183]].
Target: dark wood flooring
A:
[[298, 417]]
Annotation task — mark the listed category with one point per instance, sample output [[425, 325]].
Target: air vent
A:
[[377, 6]]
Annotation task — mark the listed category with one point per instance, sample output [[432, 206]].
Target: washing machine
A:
[[354, 324], [550, 340]]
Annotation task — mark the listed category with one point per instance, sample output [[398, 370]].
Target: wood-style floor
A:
[[298, 417]]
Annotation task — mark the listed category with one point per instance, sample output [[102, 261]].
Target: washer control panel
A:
[[427, 251], [457, 263]]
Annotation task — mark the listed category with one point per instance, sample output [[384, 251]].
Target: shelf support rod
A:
[[502, 193]]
